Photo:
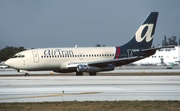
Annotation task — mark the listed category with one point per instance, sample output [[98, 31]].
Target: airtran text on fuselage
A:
[[55, 52]]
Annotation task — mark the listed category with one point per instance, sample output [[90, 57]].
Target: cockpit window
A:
[[15, 56], [18, 56]]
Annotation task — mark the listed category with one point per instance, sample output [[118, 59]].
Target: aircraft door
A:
[[35, 56], [130, 53]]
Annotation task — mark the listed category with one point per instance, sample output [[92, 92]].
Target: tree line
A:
[[170, 41], [9, 52]]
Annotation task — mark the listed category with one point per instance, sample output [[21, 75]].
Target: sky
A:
[[85, 23]]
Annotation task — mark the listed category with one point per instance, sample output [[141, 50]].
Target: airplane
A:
[[89, 59]]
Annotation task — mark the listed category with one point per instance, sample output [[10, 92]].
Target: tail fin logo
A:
[[144, 32]]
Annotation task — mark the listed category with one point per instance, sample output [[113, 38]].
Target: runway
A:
[[120, 70], [88, 88]]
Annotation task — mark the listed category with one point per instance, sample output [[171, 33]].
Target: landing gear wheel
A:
[[79, 73], [92, 73], [26, 74]]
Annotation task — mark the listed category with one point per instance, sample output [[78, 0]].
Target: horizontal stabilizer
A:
[[157, 48]]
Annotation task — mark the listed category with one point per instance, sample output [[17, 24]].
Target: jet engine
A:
[[86, 68]]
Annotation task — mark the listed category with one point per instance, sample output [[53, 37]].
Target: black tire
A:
[[79, 73], [92, 73]]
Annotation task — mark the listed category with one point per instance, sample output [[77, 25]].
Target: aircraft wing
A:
[[115, 62], [102, 63]]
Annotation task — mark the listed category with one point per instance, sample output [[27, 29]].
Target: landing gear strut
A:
[[26, 74]]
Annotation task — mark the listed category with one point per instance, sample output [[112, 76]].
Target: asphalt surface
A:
[[88, 88], [124, 83]]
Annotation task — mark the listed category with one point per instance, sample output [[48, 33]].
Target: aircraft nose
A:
[[9, 63]]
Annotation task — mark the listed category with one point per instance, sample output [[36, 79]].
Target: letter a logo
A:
[[144, 32]]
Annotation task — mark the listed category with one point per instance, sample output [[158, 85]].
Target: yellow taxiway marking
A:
[[51, 95]]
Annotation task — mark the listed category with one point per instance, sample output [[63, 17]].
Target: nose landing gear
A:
[[26, 74], [24, 71]]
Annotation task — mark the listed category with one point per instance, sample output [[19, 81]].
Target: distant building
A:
[[164, 56], [2, 65]]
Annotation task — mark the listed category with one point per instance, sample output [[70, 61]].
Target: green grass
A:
[[93, 106]]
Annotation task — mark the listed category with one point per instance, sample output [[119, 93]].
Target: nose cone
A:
[[9, 63]]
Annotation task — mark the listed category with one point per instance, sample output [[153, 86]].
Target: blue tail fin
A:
[[144, 35]]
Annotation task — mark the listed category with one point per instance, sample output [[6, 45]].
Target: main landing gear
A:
[[92, 73], [81, 73]]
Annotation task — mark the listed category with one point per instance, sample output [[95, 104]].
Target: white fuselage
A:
[[58, 58]]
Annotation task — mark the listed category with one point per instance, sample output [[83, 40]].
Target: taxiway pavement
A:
[[120, 70], [88, 88]]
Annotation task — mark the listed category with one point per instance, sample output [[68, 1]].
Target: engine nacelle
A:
[[86, 68]]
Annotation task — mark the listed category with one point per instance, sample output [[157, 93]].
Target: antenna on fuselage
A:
[[75, 46]]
